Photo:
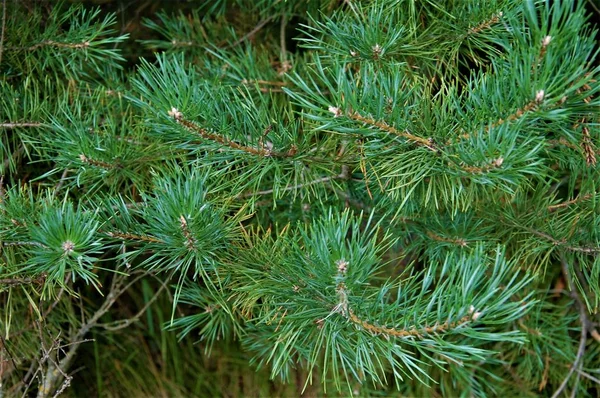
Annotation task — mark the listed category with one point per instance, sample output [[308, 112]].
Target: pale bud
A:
[[539, 96], [342, 266], [546, 40], [175, 114], [336, 111], [377, 50]]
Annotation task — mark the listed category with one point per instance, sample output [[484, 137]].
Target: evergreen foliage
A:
[[347, 197]]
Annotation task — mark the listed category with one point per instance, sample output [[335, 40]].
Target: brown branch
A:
[[563, 243], [14, 155], [252, 32], [190, 240], [426, 142], [264, 151], [19, 125], [123, 323], [57, 372], [53, 43], [456, 241], [24, 281], [282, 28], [584, 327], [494, 164], [2, 29], [22, 243], [222, 140], [531, 105], [562, 141], [264, 82], [128, 236], [484, 25], [588, 147], [276, 89], [594, 6], [342, 176], [570, 202], [545, 42], [96, 163], [414, 331]]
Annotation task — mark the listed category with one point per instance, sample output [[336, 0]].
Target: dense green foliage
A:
[[330, 197]]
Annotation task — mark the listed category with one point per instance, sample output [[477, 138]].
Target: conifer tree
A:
[[378, 197]]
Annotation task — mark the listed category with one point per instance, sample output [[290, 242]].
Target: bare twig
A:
[[341, 176], [62, 179], [56, 374], [381, 125], [2, 29], [23, 281], [252, 32], [15, 155], [594, 6], [282, 28], [584, 327], [570, 202], [11, 126], [123, 323]]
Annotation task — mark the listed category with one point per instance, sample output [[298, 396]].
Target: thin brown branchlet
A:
[[519, 113], [343, 307], [456, 241], [570, 202], [133, 237], [263, 151], [485, 24], [96, 163], [52, 43], [265, 86], [587, 145], [190, 240], [381, 125], [16, 125], [494, 164]]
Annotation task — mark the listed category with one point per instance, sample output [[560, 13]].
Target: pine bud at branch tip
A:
[[546, 40], [474, 314], [83, 158], [539, 96], [336, 111], [498, 162], [68, 246], [377, 51], [342, 266], [175, 114]]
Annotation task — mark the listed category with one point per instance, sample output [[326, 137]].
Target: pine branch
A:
[[133, 237], [570, 202], [96, 163], [426, 142], [264, 151], [494, 19], [52, 43], [519, 113], [344, 175], [39, 280], [254, 31]]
